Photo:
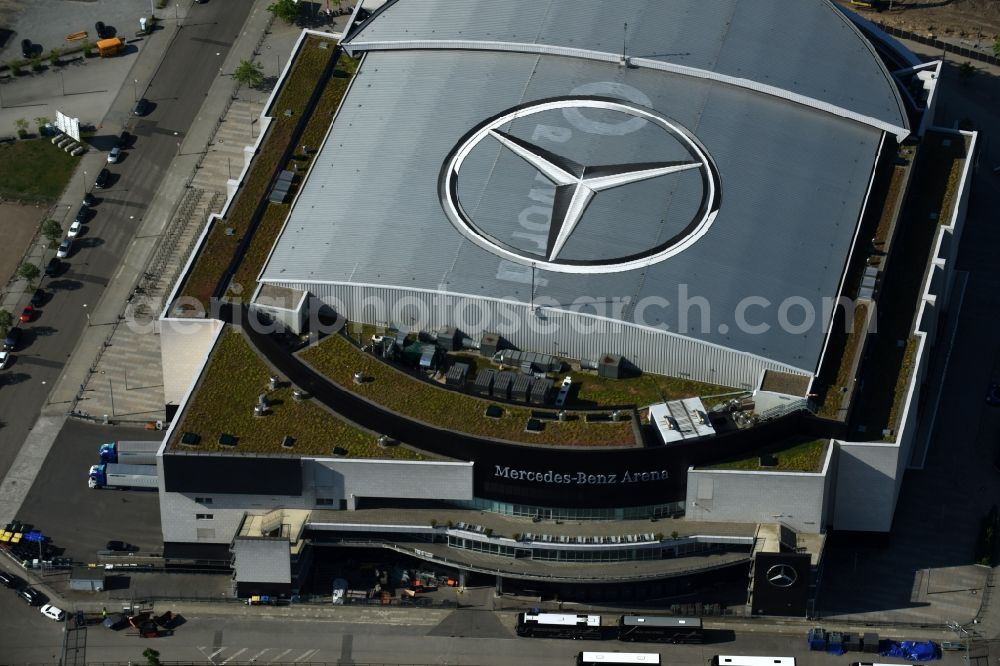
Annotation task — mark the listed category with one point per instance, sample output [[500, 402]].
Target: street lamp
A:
[[135, 90], [961, 632]]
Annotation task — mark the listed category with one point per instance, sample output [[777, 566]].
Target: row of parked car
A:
[[89, 201], [55, 265], [31, 596]]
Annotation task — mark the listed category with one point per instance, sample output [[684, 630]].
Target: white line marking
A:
[[278, 657], [212, 656], [234, 655], [256, 656], [305, 655]]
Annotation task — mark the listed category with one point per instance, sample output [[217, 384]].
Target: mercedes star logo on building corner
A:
[[782, 575], [576, 185]]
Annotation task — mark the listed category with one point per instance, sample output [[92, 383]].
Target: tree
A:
[[29, 272], [6, 321], [15, 67], [36, 64], [53, 231], [22, 127], [41, 121], [54, 57], [152, 656], [249, 73], [286, 10], [996, 47]]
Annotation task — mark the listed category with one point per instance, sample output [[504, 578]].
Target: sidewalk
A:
[[127, 381]]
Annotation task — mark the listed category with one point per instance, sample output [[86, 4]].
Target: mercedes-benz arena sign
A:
[[576, 185]]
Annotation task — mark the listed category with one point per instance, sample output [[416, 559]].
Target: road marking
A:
[[305, 655], [212, 656], [234, 655], [254, 658], [278, 657]]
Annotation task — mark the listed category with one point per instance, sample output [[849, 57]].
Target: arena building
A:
[[686, 189]]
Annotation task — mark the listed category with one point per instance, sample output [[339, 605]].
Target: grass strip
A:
[[398, 391], [217, 252], [224, 400]]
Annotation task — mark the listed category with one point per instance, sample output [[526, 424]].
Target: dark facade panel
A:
[[255, 475], [781, 584]]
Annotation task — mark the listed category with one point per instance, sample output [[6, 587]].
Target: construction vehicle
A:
[[110, 47]]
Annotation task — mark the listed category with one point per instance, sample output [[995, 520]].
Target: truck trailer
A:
[[108, 475], [129, 453]]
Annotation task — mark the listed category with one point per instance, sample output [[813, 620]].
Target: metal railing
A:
[[947, 47]]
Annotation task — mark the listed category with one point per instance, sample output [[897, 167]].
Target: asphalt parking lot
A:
[[82, 520], [47, 23]]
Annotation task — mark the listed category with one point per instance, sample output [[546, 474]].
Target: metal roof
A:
[[807, 48], [261, 560], [793, 184]]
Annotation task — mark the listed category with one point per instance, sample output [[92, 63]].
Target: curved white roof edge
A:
[[546, 49], [872, 30], [479, 297]]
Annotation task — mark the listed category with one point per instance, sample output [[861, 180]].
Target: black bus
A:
[[553, 625], [650, 629]]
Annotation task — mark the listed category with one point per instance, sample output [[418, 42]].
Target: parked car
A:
[[4, 360], [88, 199], [53, 267], [9, 579], [103, 32], [53, 613], [38, 298], [993, 394], [115, 621], [30, 595], [12, 340], [141, 107], [120, 547], [123, 140], [102, 179], [74, 230], [28, 313], [27, 48], [114, 155], [64, 249], [82, 214]]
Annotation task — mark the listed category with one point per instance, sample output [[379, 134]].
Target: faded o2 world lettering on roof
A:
[[577, 185]]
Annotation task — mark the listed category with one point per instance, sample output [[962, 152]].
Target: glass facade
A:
[[658, 551], [568, 513]]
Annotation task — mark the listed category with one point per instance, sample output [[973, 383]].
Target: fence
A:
[[947, 47]]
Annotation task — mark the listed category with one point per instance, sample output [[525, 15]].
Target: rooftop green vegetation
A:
[[791, 456], [34, 170], [274, 217], [219, 249], [833, 395], [589, 390], [223, 404], [339, 360], [890, 363]]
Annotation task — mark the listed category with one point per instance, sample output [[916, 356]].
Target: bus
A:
[[554, 625], [597, 658], [651, 629], [720, 660]]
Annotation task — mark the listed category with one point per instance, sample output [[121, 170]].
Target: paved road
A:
[[372, 636], [176, 93]]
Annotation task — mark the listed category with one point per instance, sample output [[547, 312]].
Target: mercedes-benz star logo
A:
[[577, 184], [782, 575]]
